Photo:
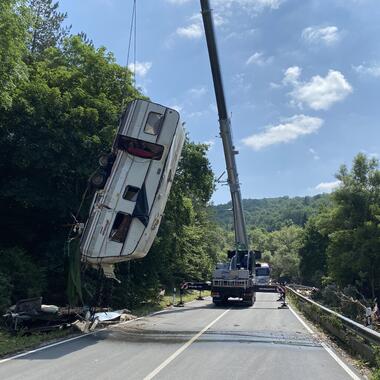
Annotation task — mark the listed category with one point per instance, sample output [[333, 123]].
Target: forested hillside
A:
[[326, 240], [273, 213]]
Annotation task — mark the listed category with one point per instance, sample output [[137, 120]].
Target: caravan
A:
[[136, 178]]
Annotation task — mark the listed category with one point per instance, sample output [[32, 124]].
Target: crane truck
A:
[[237, 277]]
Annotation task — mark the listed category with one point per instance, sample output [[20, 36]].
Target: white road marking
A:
[[183, 348], [76, 337], [47, 346], [327, 348]]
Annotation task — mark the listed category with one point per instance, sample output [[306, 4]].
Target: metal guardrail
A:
[[365, 332]]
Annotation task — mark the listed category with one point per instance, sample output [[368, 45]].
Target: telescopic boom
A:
[[241, 239]]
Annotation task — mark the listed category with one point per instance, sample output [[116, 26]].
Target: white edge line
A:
[[351, 373], [78, 337], [48, 346], [182, 348]]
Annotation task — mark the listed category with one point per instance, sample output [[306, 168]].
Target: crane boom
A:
[[241, 239]]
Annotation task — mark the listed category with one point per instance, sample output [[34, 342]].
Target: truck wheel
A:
[[216, 302]]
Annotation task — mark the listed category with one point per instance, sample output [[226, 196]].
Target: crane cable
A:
[[133, 32]]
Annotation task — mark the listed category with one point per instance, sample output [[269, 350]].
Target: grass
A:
[[10, 343], [166, 301], [13, 343]]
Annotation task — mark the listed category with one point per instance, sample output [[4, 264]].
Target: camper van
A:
[[136, 178]]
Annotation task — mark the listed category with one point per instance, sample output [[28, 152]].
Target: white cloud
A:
[[250, 5], [320, 93], [274, 85], [176, 107], [328, 35], [289, 130], [210, 143], [314, 154], [246, 4], [241, 83], [292, 75], [197, 92], [327, 186], [372, 69], [191, 31], [178, 2], [141, 68], [259, 59]]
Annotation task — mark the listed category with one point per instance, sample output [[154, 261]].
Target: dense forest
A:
[[273, 213], [60, 100]]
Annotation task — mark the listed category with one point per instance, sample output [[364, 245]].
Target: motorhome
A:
[[136, 178]]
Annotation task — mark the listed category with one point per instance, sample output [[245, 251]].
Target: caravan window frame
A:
[[154, 129]]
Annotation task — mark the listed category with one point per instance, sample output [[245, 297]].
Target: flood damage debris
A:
[[31, 315]]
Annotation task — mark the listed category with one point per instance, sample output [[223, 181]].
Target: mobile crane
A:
[[235, 278]]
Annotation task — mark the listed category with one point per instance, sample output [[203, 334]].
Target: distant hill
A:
[[273, 213]]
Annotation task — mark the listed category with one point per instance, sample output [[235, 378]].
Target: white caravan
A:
[[126, 213]]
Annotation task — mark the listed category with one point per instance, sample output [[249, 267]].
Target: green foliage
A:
[[13, 32], [274, 213], [46, 28], [19, 277], [353, 227], [313, 264], [61, 119], [280, 248]]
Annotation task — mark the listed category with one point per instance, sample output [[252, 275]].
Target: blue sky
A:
[[301, 79]]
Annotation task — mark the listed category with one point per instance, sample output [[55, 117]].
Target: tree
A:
[[61, 119], [13, 34], [46, 27], [313, 264], [354, 227]]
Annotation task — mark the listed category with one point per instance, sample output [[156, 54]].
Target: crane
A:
[[237, 278]]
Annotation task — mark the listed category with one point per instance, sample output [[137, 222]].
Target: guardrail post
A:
[[200, 298]]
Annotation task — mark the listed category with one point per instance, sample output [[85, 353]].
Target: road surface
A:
[[199, 341]]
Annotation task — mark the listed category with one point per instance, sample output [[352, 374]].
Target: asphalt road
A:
[[199, 341]]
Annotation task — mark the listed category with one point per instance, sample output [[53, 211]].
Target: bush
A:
[[19, 277]]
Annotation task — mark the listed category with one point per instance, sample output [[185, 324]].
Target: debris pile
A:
[[31, 315]]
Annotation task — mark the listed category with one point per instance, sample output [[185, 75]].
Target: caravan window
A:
[[120, 227], [130, 193], [153, 123], [140, 148]]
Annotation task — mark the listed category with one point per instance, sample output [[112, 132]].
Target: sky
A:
[[301, 79]]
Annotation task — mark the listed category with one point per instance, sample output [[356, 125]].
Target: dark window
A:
[[153, 123], [120, 227], [130, 193], [262, 271], [140, 148]]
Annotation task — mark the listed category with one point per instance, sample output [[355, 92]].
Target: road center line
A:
[[327, 348], [183, 348]]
